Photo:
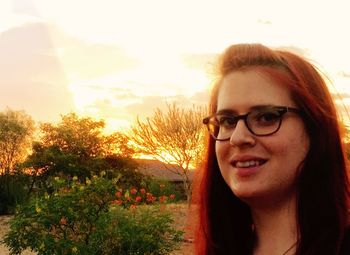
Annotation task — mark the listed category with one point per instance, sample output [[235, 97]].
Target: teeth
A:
[[247, 163]]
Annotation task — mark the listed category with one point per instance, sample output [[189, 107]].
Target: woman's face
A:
[[260, 168]]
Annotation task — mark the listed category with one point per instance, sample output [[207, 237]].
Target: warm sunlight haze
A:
[[116, 60], [103, 132]]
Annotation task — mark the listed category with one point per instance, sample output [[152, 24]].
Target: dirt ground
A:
[[3, 230], [182, 213], [181, 220]]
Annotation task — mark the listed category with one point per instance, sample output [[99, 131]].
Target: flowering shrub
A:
[[163, 187], [134, 197], [93, 218]]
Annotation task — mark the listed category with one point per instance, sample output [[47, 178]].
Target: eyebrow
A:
[[255, 107]]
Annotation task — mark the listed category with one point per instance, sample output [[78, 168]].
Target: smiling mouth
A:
[[248, 163]]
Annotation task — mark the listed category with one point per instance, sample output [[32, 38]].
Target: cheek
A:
[[290, 150], [300, 144], [223, 154], [221, 150]]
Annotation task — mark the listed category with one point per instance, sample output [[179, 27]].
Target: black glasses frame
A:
[[280, 109]]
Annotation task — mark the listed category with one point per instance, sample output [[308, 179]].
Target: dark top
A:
[[345, 249]]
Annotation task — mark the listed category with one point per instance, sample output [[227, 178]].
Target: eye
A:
[[266, 117], [226, 121]]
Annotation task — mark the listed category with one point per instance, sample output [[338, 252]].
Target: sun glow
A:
[[121, 59], [161, 75]]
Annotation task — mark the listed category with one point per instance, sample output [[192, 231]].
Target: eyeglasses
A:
[[260, 122]]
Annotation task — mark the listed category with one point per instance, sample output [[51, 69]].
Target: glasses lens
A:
[[264, 121], [213, 127], [222, 126]]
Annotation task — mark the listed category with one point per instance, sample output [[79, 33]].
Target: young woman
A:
[[274, 181]]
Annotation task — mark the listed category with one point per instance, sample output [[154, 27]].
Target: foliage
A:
[[16, 131], [131, 198], [44, 165], [146, 230], [84, 137], [85, 219], [12, 191], [76, 146], [125, 169], [175, 137], [164, 187]]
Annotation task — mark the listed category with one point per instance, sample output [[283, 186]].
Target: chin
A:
[[246, 194], [249, 195]]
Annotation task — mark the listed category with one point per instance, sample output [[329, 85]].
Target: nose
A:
[[241, 136]]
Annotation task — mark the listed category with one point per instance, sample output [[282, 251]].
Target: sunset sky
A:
[[116, 60]]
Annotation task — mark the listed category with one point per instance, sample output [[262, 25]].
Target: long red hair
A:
[[224, 222]]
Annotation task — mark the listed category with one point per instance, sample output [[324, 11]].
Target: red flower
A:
[[162, 199], [138, 199], [150, 197], [118, 202], [143, 191], [118, 194], [172, 196], [133, 191], [63, 221]]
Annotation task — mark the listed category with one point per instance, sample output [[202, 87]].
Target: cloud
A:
[[32, 77], [146, 106], [36, 60], [344, 74], [89, 60], [107, 109], [296, 50], [264, 21], [123, 103], [116, 102], [201, 98], [25, 7], [343, 110], [341, 96], [199, 61]]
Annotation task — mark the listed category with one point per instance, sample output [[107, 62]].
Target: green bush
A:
[[85, 219], [12, 191], [144, 230], [125, 169], [164, 187], [56, 162]]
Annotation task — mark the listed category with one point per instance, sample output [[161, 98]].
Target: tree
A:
[[16, 134], [175, 137], [83, 137], [74, 146]]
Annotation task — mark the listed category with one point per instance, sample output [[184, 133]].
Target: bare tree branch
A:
[[175, 137]]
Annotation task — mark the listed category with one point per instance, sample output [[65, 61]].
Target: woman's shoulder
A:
[[345, 248]]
